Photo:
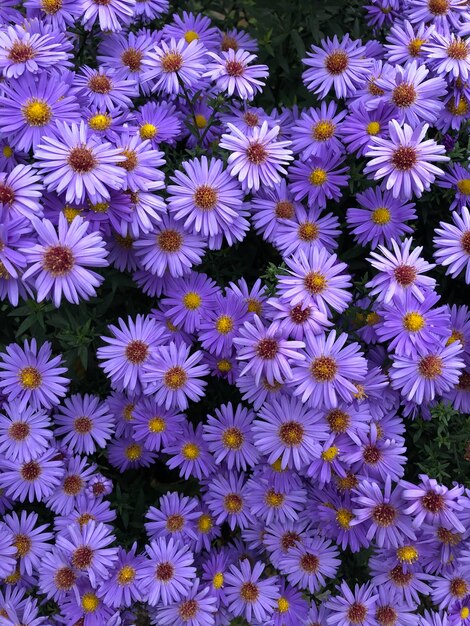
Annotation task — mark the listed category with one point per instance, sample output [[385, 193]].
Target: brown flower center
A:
[[19, 431], [386, 615], [58, 261], [404, 158], [175, 522], [404, 95], [249, 592], [229, 43], [371, 455], [458, 587], [315, 283], [131, 160], [458, 50], [234, 68], [83, 425], [81, 160], [233, 503], [7, 195], [170, 240], [65, 578], [438, 7], [82, 557], [137, 351], [51, 7], [289, 539], [172, 62], [338, 421], [188, 610], [73, 485], [21, 52], [291, 433], [465, 242], [430, 366], [256, 153], [205, 198], [284, 210], [433, 502], [251, 119], [164, 571], [30, 471], [384, 515], [267, 348], [337, 62], [308, 231], [405, 275], [233, 438], [132, 59], [22, 544], [310, 563], [299, 315], [400, 577], [357, 613], [175, 378], [324, 368]]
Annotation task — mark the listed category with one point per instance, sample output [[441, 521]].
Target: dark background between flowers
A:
[[285, 29]]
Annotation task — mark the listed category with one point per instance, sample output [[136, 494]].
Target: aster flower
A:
[[430, 372], [125, 453], [415, 97], [316, 131], [450, 586], [270, 501], [231, 71], [270, 207], [308, 229], [56, 575], [28, 613], [104, 88], [449, 55], [298, 320], [171, 247], [405, 160], [154, 426], [111, 16], [361, 124], [29, 539], [190, 453], [60, 260], [159, 122], [442, 15], [227, 499], [168, 572], [190, 26], [150, 9], [29, 109], [130, 349], [173, 64], [316, 280], [73, 483], [25, 433], [257, 158], [197, 607], [221, 323], [249, 596], [58, 13], [123, 587], [19, 192], [308, 565], [407, 583], [399, 272], [457, 179], [375, 457], [337, 64], [268, 353], [206, 197], [174, 517], [328, 371], [452, 244], [8, 551], [79, 163], [405, 43], [32, 480], [318, 179], [254, 297], [32, 376], [229, 437], [380, 218], [352, 607]]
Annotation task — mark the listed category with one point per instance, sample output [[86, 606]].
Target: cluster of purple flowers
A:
[[311, 461]]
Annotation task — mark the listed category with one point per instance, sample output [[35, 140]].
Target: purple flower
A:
[[337, 64], [352, 608], [60, 260], [361, 124], [25, 433], [196, 609], [405, 160], [123, 587], [404, 43], [168, 572], [309, 564], [318, 179], [247, 595], [453, 244], [174, 64], [227, 499], [320, 125], [231, 71], [270, 501], [101, 88], [430, 372], [380, 218], [450, 586], [159, 122], [19, 192], [190, 453], [405, 582], [125, 453], [307, 230], [32, 376], [111, 16], [221, 323], [190, 27], [449, 55], [399, 272], [174, 518], [79, 163], [441, 16], [271, 207], [329, 370], [257, 158], [154, 426], [296, 320], [29, 539], [33, 480], [57, 576], [457, 179], [8, 552]]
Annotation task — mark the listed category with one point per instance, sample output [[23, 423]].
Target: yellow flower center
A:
[[464, 612], [133, 452], [126, 575], [323, 130], [407, 554], [318, 177], [190, 451], [277, 465], [191, 36], [201, 121], [148, 131], [100, 121], [330, 454], [204, 523], [70, 213], [127, 412], [30, 378], [224, 324], [381, 216], [373, 128], [224, 366], [7, 152], [464, 186], [456, 336], [218, 580], [37, 112], [372, 318], [283, 604], [157, 425], [192, 300], [414, 322], [90, 602], [100, 207], [414, 47], [344, 517]]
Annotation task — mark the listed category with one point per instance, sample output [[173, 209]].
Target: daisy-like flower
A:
[[328, 372], [33, 480], [77, 162], [380, 218], [257, 158], [29, 539], [23, 51], [190, 453], [229, 437], [432, 371], [383, 514], [275, 501], [361, 124], [174, 517], [8, 552], [141, 164], [247, 594], [457, 179], [150, 9], [174, 63], [352, 607], [400, 271], [206, 197], [154, 426], [288, 432], [32, 376], [25, 433], [405, 160], [58, 13], [296, 320], [84, 423], [221, 323], [442, 14], [170, 248], [198, 607], [316, 280], [316, 131], [124, 586], [234, 39], [104, 88], [60, 260], [405, 43], [130, 349], [111, 15], [125, 453], [231, 71], [174, 376], [309, 229], [19, 192], [190, 26], [307, 565], [449, 55], [226, 499], [399, 579], [450, 586], [159, 122], [272, 207], [318, 179], [72, 486], [56, 575], [415, 97], [338, 64], [168, 573], [269, 354], [452, 244], [29, 109]]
